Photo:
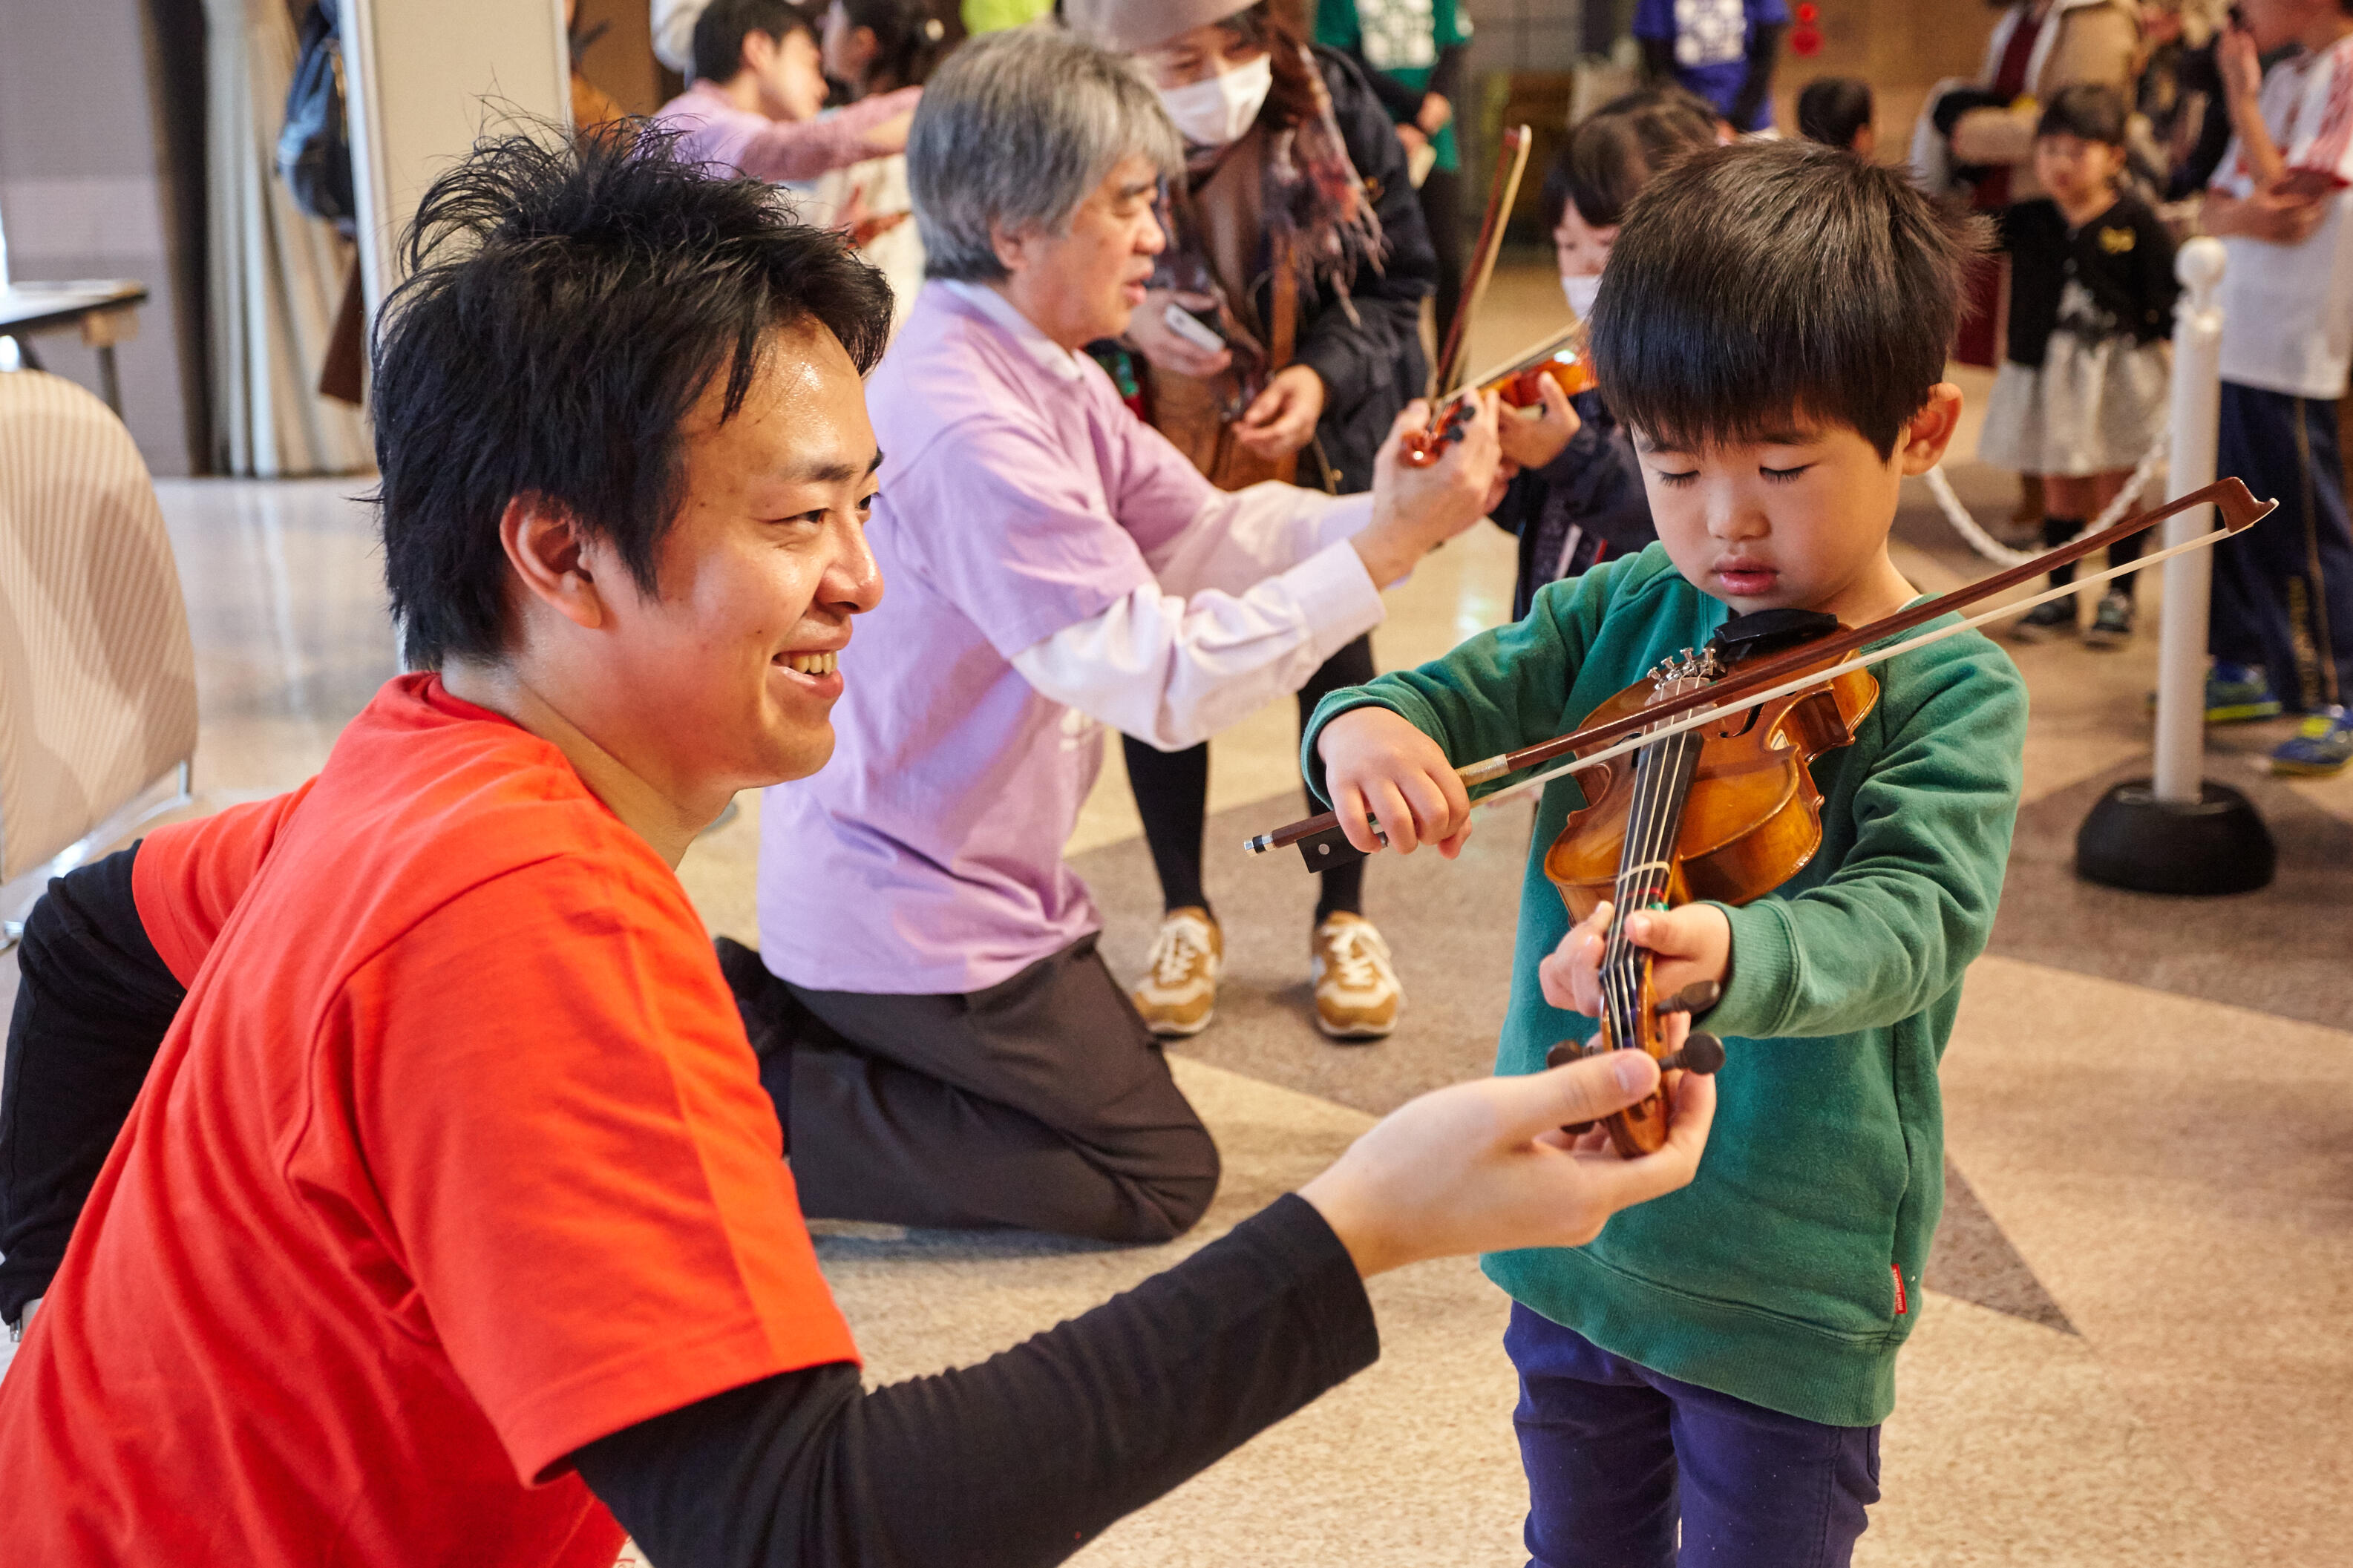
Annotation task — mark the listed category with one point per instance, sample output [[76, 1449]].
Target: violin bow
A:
[[1511, 162], [1802, 668]]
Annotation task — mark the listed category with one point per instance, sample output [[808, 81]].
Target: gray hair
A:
[[1017, 129]]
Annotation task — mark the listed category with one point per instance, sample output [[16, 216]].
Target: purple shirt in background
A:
[[716, 132], [1020, 496]]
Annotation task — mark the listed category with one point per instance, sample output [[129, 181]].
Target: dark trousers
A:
[[2284, 588], [1617, 1455], [1172, 796], [1042, 1102]]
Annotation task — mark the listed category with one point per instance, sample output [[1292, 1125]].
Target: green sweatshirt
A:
[[1773, 1276]]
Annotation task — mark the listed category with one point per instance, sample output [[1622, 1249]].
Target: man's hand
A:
[[1411, 136], [1484, 1167], [1691, 941], [1531, 441], [1147, 330], [1433, 115], [1374, 763], [1416, 510], [1281, 419]]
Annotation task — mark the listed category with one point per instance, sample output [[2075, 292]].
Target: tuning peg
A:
[[1703, 1053], [1696, 997]]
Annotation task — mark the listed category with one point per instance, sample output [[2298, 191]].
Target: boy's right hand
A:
[[1376, 764]]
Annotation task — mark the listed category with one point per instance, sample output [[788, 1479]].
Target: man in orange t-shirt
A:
[[450, 1223]]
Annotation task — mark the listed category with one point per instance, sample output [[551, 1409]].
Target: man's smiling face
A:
[[734, 661]]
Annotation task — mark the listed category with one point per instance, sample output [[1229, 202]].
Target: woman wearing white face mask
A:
[[1295, 236]]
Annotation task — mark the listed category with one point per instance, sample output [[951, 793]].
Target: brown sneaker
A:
[[1357, 991], [1179, 992]]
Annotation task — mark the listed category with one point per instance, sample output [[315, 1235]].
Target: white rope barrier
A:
[[2001, 555]]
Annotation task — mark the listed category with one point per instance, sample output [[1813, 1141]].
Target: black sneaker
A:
[[2112, 625], [2045, 621]]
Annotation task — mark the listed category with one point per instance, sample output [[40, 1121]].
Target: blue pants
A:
[[1616, 1454], [2284, 589]]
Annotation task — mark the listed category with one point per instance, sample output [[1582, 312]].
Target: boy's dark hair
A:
[[719, 32], [567, 306], [1613, 151], [2090, 110], [1832, 109], [1771, 280]]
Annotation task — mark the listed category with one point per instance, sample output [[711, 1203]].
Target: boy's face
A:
[[791, 77], [1798, 519]]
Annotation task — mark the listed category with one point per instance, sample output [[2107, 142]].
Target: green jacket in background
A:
[[1773, 1277], [1399, 38]]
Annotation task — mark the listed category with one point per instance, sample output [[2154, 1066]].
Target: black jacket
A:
[[1594, 487], [1373, 366], [2124, 258]]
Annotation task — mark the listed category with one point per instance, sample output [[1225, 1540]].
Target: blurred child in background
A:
[[2081, 395], [1578, 494], [1836, 111]]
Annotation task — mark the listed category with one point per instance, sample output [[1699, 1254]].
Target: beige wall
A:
[[426, 76]]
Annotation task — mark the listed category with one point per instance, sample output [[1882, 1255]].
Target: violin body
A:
[[1567, 368], [1727, 812], [1519, 385], [1755, 817]]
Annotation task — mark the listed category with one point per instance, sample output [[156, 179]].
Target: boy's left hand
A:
[[1692, 942]]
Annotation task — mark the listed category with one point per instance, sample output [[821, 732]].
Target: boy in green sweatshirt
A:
[[1773, 327]]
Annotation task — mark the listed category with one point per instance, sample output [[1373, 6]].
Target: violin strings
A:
[[1651, 831]]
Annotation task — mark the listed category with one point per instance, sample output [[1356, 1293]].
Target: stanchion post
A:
[[2178, 832], [2196, 423]]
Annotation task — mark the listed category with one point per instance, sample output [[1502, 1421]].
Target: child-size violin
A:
[[1698, 784]]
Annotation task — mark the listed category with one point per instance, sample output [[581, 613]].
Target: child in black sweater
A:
[[2081, 395]]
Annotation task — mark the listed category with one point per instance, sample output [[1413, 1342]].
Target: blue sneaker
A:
[[2322, 747], [2235, 694]]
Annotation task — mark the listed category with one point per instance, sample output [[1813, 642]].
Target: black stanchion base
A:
[[2132, 839]]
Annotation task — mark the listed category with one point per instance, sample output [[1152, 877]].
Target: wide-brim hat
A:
[[1127, 26]]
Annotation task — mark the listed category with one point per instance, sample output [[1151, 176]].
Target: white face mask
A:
[[1581, 292], [1214, 112]]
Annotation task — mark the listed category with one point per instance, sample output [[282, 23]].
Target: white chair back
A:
[[98, 678]]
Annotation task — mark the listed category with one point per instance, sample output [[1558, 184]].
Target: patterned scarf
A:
[[1313, 205]]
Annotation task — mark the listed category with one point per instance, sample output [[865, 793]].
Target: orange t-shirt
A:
[[454, 1159]]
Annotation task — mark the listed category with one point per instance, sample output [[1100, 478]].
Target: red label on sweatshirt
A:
[[1897, 1271]]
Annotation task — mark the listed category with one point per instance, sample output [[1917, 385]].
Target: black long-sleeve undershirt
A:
[[1020, 1459], [93, 1002]]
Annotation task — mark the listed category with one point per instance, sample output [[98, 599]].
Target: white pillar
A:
[[423, 78], [2196, 422]]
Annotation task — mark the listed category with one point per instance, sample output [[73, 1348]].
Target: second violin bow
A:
[[1510, 165]]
